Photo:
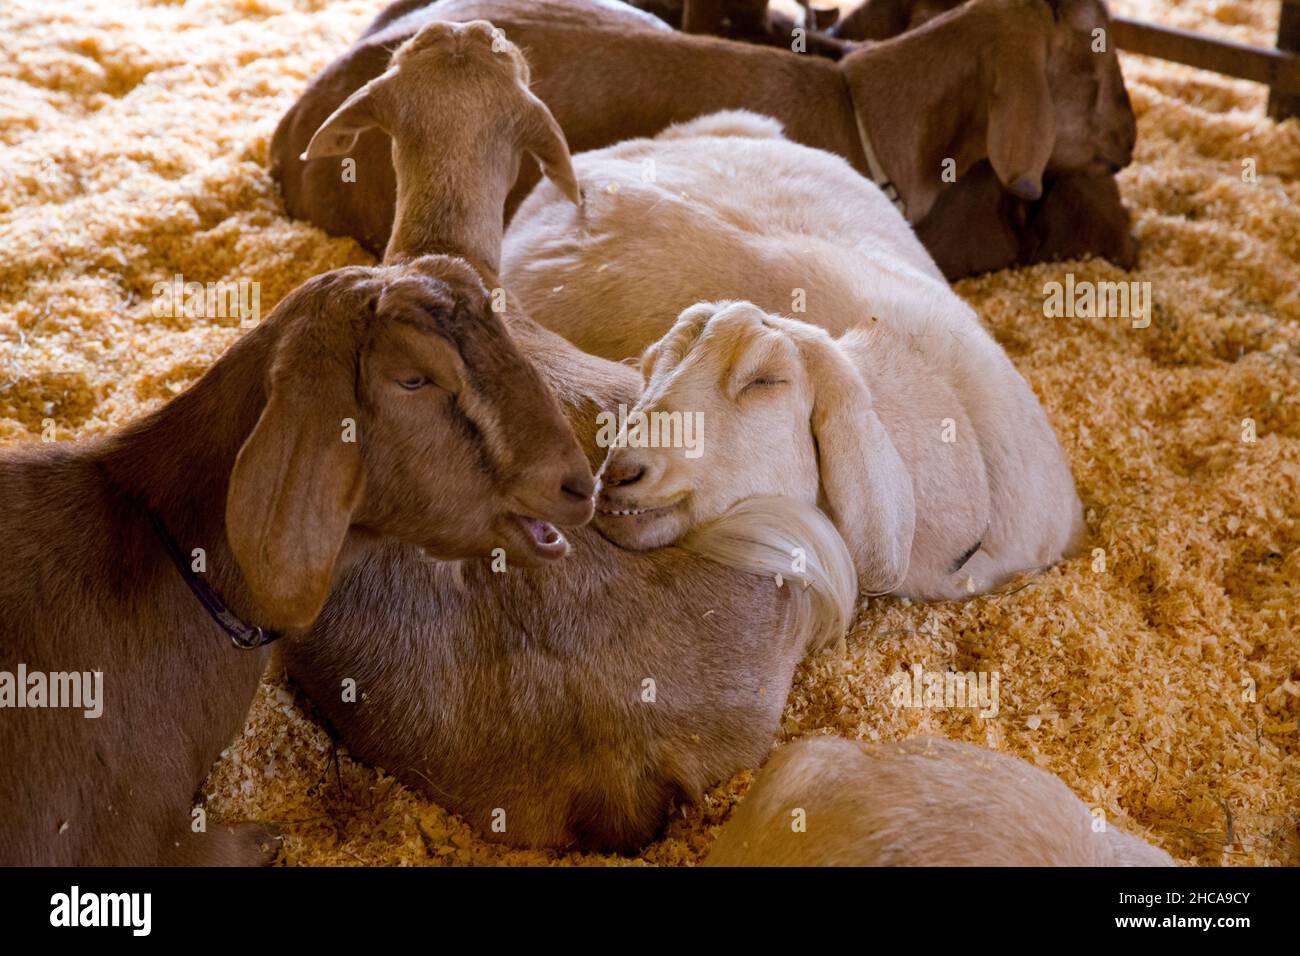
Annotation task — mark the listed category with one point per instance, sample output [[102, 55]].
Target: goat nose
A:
[[579, 486], [623, 470]]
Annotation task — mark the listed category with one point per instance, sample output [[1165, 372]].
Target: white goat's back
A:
[[721, 207], [828, 801], [725, 207]]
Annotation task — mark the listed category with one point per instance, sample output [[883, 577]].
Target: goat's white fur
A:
[[762, 534], [725, 207], [919, 802]]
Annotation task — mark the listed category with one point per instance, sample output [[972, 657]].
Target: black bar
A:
[[428, 907]]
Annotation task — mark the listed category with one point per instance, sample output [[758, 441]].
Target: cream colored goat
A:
[[722, 207], [929, 451], [578, 705], [920, 802], [860, 425]]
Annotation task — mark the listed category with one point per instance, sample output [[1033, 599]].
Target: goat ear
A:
[[342, 128], [865, 487], [292, 493], [1021, 120], [543, 138]]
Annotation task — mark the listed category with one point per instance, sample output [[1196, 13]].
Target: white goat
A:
[[913, 429], [920, 802]]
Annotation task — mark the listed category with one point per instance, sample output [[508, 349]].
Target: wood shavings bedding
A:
[[1160, 680]]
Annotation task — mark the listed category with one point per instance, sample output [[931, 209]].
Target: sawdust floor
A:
[[133, 139]]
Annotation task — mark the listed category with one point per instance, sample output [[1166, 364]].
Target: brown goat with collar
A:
[[571, 707], [975, 225], [609, 74], [459, 450]]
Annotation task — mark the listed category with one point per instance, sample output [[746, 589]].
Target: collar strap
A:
[[874, 167], [243, 636]]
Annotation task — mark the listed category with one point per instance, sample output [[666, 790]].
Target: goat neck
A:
[[177, 462], [920, 105], [448, 204]]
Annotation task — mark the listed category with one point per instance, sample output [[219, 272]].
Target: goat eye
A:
[[763, 381], [413, 382]]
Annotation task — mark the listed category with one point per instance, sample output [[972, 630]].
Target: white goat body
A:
[[725, 207]]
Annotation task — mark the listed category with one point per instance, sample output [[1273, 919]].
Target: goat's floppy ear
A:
[[342, 128], [677, 341], [865, 487], [1021, 119], [542, 137], [293, 490]]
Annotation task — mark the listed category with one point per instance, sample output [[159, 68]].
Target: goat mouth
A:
[[639, 527], [628, 512], [542, 537], [607, 510]]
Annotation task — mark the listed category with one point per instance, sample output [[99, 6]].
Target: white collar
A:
[[878, 174]]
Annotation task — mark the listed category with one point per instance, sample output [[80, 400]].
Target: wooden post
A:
[[1283, 105], [1279, 69]]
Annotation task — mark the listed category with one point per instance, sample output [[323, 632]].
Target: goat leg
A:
[[1079, 215], [976, 226]]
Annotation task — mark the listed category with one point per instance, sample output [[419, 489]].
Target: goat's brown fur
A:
[[583, 702], [250, 465], [976, 225], [979, 226], [608, 77]]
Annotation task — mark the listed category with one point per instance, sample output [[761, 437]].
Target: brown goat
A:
[[608, 75], [975, 225], [461, 185], [459, 449], [571, 707]]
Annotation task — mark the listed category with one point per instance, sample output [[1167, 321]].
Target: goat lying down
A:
[[1007, 86], [569, 706], [253, 465], [975, 225], [911, 427], [926, 801]]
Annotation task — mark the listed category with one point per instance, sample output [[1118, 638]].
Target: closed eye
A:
[[414, 382], [762, 382]]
